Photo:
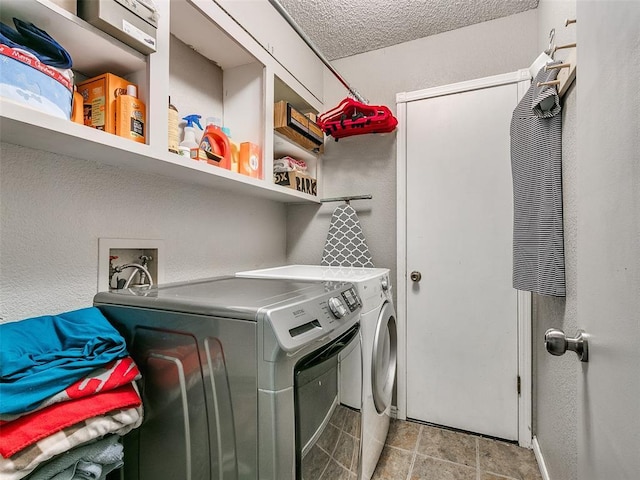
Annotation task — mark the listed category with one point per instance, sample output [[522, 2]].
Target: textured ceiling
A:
[[340, 28]]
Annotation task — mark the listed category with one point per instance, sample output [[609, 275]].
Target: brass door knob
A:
[[416, 276]]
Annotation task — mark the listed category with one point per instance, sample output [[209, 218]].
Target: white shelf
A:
[[30, 128], [93, 52], [285, 146], [201, 24], [189, 22]]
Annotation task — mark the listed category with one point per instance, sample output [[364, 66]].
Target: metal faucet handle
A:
[[137, 267], [557, 343]]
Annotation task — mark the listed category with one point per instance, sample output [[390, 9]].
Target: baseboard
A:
[[393, 412], [540, 459]]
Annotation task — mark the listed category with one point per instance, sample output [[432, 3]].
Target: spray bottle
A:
[[191, 136], [215, 144]]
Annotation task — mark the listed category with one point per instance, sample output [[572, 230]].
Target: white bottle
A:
[[191, 135]]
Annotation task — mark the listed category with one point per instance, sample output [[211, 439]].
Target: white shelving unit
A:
[[245, 95], [283, 145], [93, 51]]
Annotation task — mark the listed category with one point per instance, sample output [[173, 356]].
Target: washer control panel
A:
[[351, 298], [297, 325], [337, 307]]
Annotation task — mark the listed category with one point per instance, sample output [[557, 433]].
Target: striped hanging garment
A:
[[536, 163]]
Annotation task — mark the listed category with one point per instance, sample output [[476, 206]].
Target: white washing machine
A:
[[376, 363]]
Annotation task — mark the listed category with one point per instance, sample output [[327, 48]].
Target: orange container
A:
[[250, 160], [216, 146], [77, 114], [130, 116], [99, 97]]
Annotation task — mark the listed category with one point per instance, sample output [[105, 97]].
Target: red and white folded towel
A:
[[119, 422], [106, 401], [22, 432]]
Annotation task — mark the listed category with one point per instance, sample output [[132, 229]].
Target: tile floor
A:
[[335, 454], [416, 452]]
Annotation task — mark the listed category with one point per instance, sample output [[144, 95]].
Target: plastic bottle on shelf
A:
[[191, 136], [215, 144], [235, 150], [130, 115], [174, 131]]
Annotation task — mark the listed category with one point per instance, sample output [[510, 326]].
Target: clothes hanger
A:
[[545, 57], [351, 117]]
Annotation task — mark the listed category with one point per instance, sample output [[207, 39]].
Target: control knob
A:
[[337, 307]]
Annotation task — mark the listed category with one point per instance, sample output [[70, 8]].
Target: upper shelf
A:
[[189, 21], [33, 129], [93, 51], [284, 146]]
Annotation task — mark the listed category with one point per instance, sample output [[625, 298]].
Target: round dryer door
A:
[[383, 359]]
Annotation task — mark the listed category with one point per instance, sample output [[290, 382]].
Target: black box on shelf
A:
[[296, 126]]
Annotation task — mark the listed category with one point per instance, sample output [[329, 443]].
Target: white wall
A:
[[195, 83], [555, 379], [53, 209], [366, 164]]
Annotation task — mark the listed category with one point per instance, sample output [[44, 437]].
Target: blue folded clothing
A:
[[42, 356], [34, 40], [89, 461]]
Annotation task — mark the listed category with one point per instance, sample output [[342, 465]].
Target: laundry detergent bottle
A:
[[215, 144], [191, 136]]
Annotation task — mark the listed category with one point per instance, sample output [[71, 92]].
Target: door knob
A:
[[416, 276], [557, 343]]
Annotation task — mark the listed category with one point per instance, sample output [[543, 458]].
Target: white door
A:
[[608, 246], [462, 323]]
